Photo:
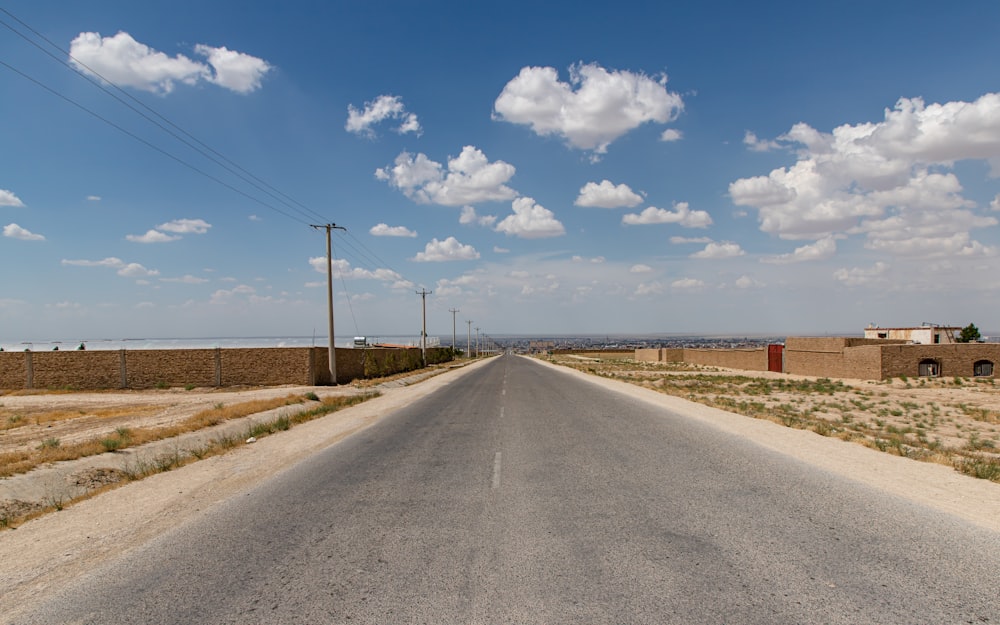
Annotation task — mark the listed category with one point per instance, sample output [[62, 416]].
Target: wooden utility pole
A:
[[423, 293], [453, 345], [329, 297]]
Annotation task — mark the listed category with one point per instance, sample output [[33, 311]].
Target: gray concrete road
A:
[[518, 494]]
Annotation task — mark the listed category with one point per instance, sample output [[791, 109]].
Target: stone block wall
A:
[[140, 369]]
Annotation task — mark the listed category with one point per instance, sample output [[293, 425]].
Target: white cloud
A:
[[128, 63], [640, 268], [469, 216], [604, 106], [670, 135], [135, 270], [470, 178], [995, 204], [682, 215], [342, 269], [859, 276], [151, 236], [683, 240], [530, 221], [447, 250], [177, 226], [223, 296], [186, 226], [714, 251], [188, 279], [234, 70], [687, 283], [459, 285], [93, 198], [607, 195], [500, 250], [111, 261], [15, 231], [748, 282], [127, 270], [820, 250], [7, 198], [759, 145], [385, 230], [649, 288], [382, 108], [884, 180]]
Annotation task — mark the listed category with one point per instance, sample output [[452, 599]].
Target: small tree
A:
[[969, 334]]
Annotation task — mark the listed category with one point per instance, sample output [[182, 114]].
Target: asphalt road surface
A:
[[519, 494]]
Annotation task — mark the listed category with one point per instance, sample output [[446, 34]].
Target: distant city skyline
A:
[[723, 168]]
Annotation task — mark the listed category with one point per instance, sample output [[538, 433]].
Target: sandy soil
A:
[[48, 551]]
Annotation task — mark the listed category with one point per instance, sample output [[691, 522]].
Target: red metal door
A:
[[775, 360]]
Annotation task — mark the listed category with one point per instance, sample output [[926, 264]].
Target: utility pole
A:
[[329, 297], [477, 342], [468, 344], [423, 293], [454, 346]]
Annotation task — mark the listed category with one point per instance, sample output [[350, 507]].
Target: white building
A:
[[925, 334]]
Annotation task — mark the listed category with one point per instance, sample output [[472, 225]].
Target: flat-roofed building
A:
[[925, 334]]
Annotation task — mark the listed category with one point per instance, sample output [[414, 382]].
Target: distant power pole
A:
[[423, 293], [332, 355], [468, 344], [453, 311], [477, 342]]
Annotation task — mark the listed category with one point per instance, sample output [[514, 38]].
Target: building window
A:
[[929, 368], [982, 368], [937, 339]]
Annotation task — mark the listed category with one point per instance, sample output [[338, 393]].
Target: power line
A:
[[149, 144], [205, 150]]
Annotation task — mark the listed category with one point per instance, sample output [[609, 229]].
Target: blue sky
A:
[[545, 168]]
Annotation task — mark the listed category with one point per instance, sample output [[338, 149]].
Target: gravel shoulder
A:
[[47, 552]]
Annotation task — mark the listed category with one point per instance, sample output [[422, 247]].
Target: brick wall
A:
[[268, 366], [671, 354], [747, 359], [647, 355], [835, 357], [13, 370], [956, 359]]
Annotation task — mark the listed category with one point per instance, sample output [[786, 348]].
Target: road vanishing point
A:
[[518, 493]]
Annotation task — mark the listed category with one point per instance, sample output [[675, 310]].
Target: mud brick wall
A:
[[863, 363], [266, 366], [150, 368], [747, 359], [141, 369], [672, 354], [13, 370], [954, 359], [648, 355], [596, 353]]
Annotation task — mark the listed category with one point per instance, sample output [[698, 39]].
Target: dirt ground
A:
[[945, 420], [55, 548]]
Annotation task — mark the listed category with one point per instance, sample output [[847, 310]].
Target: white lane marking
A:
[[496, 470], [501, 412]]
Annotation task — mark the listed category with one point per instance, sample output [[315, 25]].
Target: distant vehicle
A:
[[361, 341]]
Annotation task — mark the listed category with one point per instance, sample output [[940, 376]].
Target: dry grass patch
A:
[[11, 418], [96, 481], [53, 450]]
